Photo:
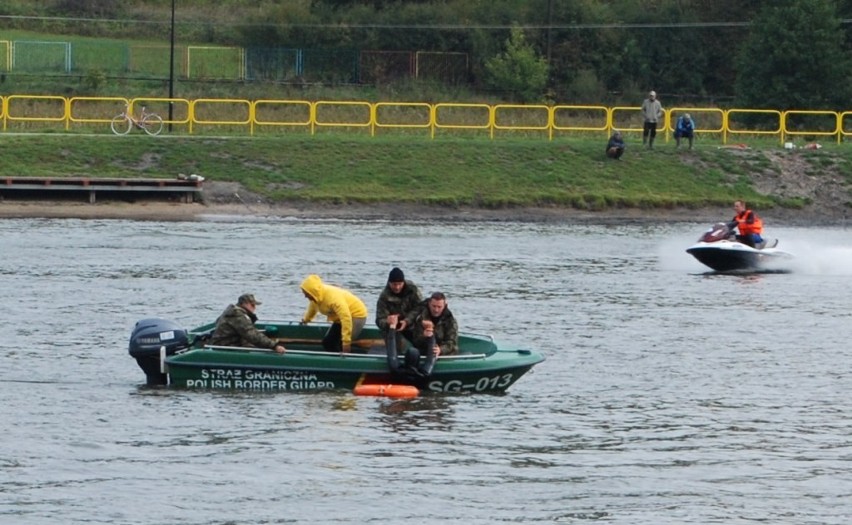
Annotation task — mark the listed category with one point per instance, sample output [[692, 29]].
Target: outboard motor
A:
[[149, 335]]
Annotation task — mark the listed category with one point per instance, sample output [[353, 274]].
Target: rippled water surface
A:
[[669, 395]]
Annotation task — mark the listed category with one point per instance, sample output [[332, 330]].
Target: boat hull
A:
[[481, 367], [726, 256], [254, 371]]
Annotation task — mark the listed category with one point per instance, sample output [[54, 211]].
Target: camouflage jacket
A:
[[446, 329], [235, 327], [390, 303]]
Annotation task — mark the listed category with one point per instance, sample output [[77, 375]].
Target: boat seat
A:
[[767, 243], [375, 350]]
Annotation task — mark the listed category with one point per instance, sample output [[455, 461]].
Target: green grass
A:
[[444, 172]]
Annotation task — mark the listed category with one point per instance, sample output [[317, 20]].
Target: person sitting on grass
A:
[[684, 129], [615, 146]]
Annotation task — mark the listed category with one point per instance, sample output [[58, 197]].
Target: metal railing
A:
[[36, 113]]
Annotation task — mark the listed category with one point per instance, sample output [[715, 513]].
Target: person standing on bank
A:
[[346, 312], [684, 129], [652, 113], [398, 298], [615, 146], [235, 327]]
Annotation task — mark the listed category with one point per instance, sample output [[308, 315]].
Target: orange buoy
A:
[[401, 391]]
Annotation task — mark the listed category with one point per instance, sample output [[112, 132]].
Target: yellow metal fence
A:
[[33, 113]]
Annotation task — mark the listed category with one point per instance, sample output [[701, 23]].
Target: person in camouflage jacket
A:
[[235, 327], [398, 298], [430, 319]]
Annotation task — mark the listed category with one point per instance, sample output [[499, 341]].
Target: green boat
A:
[[170, 355]]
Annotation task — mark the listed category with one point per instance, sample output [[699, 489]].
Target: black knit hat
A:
[[396, 276]]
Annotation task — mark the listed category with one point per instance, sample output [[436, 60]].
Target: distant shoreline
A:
[[394, 212]]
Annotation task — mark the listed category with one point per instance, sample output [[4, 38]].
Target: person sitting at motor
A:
[[750, 226], [398, 298], [435, 332], [615, 146], [684, 129], [235, 327]]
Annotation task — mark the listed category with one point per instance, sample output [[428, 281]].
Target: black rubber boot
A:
[[426, 369], [390, 344]]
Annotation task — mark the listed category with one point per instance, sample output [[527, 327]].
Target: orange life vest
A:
[[745, 227]]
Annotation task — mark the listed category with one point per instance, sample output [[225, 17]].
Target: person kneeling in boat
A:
[[435, 332], [235, 327], [397, 300], [750, 226], [346, 312]]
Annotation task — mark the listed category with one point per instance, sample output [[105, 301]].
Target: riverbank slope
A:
[[413, 178]]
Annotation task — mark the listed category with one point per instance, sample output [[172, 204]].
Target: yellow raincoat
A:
[[339, 305]]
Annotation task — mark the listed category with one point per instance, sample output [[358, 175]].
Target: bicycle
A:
[[150, 123]]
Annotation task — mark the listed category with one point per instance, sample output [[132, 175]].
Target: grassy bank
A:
[[447, 172]]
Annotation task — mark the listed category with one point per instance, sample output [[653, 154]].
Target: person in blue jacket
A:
[[684, 129], [615, 146]]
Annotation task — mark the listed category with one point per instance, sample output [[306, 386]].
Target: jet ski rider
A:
[[748, 223]]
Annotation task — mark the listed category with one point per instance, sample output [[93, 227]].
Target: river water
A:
[[669, 395]]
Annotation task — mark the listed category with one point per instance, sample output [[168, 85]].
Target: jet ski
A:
[[719, 249]]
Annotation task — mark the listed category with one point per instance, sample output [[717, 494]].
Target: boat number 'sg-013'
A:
[[481, 384]]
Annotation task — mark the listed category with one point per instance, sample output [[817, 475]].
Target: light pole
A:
[[549, 28], [172, 69]]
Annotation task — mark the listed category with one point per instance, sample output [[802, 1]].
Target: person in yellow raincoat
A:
[[344, 310]]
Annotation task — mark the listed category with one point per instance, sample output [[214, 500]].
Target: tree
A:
[[89, 8], [518, 70], [794, 58]]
